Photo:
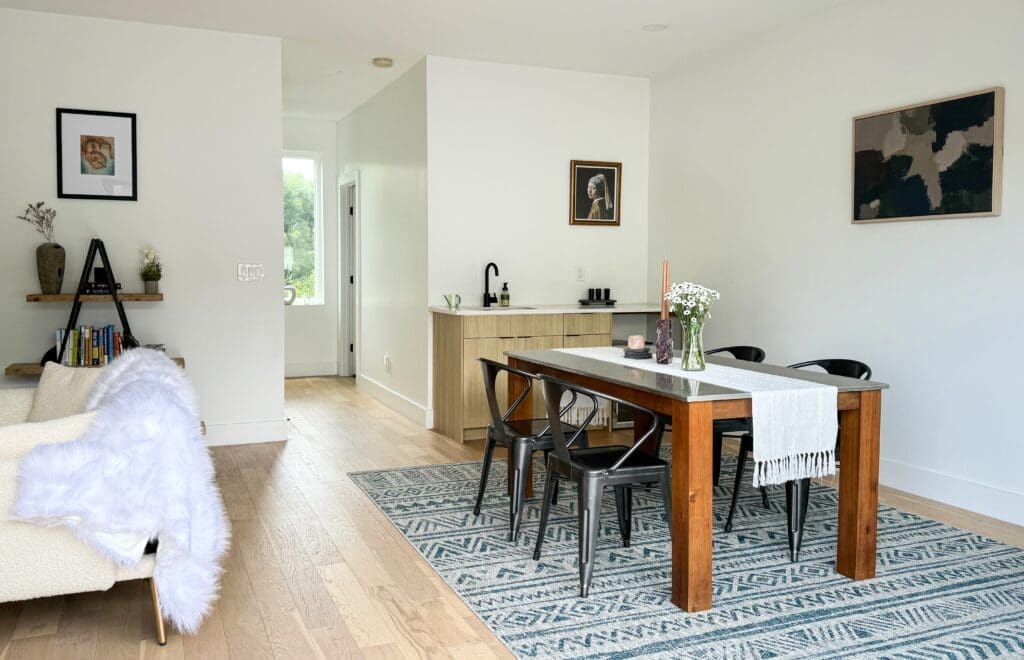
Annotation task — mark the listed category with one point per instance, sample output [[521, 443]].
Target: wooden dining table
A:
[[692, 407]]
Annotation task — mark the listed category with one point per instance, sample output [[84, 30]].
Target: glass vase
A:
[[693, 346]]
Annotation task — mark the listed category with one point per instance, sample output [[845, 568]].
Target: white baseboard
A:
[[303, 369], [956, 491], [400, 403], [246, 433]]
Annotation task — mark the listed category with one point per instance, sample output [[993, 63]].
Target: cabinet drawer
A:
[[598, 323], [587, 341], [486, 326], [536, 325]]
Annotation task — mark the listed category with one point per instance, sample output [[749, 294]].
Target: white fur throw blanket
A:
[[140, 471]]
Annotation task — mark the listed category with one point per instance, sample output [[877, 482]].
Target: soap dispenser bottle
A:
[[504, 295]]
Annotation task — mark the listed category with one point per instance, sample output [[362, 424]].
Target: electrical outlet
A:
[[250, 272], [579, 273], [387, 362]]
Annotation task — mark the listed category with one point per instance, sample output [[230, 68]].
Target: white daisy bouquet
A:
[[691, 303]]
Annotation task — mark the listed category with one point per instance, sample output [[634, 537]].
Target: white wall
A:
[[311, 331], [209, 146], [750, 194], [385, 141], [501, 138]]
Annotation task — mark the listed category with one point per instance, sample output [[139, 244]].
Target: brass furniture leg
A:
[[158, 615]]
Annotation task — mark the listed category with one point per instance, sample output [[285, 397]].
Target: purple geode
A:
[[663, 341]]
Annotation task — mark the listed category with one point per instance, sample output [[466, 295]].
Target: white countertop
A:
[[496, 310]]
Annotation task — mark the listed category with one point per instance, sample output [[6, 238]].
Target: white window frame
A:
[[318, 223]]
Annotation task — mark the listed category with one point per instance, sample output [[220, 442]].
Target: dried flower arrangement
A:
[[41, 218]]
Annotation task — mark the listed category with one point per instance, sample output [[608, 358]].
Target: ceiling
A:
[[328, 44]]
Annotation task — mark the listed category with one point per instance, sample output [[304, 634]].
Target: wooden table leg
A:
[[516, 386], [691, 505], [859, 432]]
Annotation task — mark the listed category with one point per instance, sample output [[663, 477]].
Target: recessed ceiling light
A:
[[383, 62], [654, 27]]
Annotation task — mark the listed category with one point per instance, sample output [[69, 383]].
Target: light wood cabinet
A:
[[460, 405]]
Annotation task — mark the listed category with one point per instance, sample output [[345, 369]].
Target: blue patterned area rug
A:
[[940, 592]]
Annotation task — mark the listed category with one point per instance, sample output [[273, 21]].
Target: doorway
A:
[[348, 274]]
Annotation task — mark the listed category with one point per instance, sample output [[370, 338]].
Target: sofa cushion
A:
[[16, 440], [62, 392]]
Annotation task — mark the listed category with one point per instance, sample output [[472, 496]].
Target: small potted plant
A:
[[151, 271], [49, 255]]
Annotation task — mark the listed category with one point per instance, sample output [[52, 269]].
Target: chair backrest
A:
[[491, 369], [838, 367], [748, 353], [555, 389]]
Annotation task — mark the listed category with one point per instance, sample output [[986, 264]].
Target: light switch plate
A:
[[250, 272]]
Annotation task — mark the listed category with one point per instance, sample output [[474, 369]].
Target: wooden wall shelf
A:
[[35, 369], [69, 297]]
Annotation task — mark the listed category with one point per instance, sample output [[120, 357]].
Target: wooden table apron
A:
[[859, 422]]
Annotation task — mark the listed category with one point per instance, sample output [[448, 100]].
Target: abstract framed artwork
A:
[[96, 156], [941, 159], [595, 193]]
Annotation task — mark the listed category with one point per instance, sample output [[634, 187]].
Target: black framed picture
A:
[[595, 193], [96, 155], [940, 159]]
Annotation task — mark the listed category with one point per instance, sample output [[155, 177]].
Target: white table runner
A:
[[794, 421]]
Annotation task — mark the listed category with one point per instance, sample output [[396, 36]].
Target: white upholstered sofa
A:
[[36, 562]]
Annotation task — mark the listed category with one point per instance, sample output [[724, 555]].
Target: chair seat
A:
[[738, 425], [530, 428], [598, 459]]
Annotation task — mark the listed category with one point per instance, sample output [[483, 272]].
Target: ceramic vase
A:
[[50, 267]]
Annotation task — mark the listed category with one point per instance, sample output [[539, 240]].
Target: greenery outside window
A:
[[303, 227]]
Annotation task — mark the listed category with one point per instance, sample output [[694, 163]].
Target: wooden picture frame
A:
[[868, 165], [96, 155], [588, 207]]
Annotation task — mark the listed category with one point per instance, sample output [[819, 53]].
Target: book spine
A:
[[110, 344], [95, 352]]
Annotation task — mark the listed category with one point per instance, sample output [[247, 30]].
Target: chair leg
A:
[[796, 512], [741, 460], [716, 457], [764, 497], [589, 525], [485, 472], [158, 615], [550, 489], [554, 496], [624, 509], [666, 499], [519, 463]]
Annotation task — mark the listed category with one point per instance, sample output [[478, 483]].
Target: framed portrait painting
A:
[[595, 193], [940, 159], [96, 155]]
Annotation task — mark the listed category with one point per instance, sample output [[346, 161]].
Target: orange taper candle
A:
[[664, 289]]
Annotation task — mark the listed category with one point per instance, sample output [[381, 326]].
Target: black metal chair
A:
[[796, 491], [521, 437], [594, 468], [740, 425]]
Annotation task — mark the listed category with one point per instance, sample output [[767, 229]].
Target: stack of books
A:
[[90, 347]]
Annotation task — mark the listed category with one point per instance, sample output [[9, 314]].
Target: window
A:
[[303, 240]]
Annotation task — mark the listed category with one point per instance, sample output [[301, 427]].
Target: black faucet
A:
[[488, 296]]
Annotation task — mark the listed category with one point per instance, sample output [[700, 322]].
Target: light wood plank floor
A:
[[315, 570]]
